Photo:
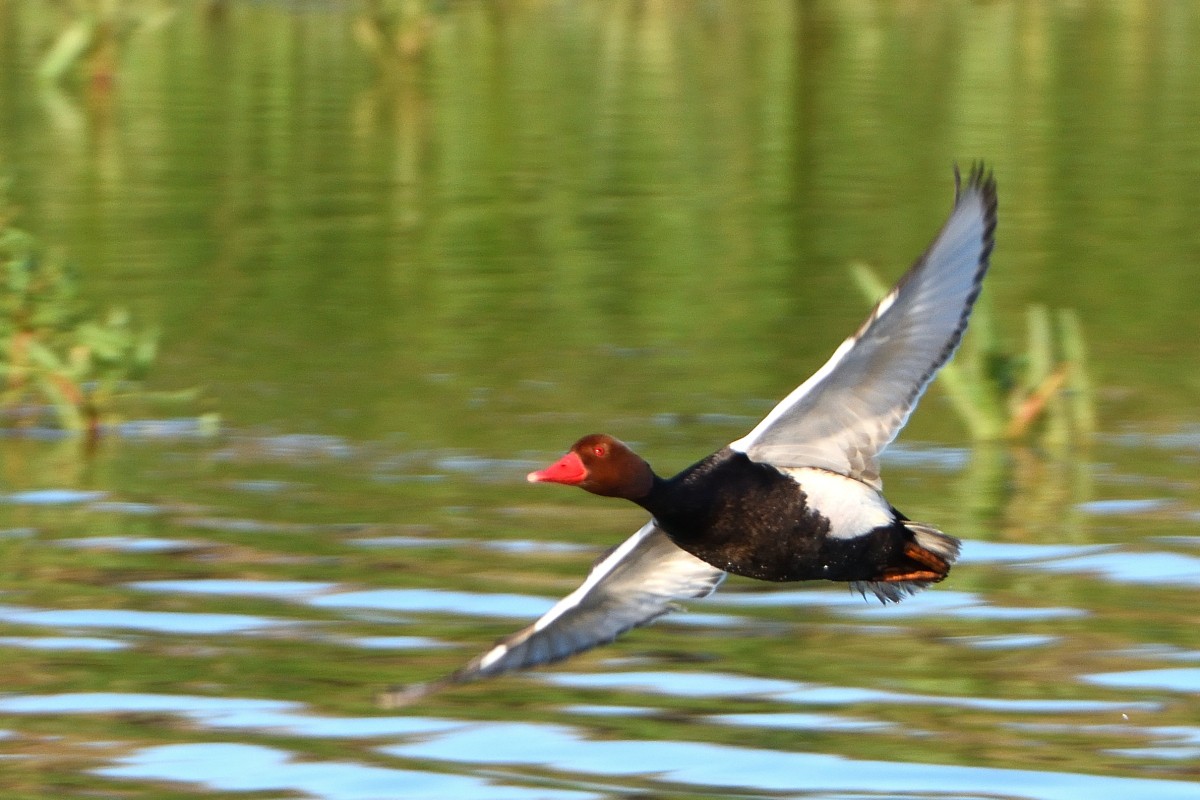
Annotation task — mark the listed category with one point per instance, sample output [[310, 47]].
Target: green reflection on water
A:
[[569, 217]]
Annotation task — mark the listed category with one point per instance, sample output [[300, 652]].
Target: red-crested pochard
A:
[[797, 498]]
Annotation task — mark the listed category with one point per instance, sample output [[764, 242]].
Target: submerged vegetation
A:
[[999, 394], [55, 352]]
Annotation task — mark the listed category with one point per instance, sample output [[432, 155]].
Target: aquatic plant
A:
[[53, 350], [1044, 390]]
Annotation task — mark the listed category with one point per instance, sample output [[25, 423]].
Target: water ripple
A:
[[698, 684], [1172, 679], [52, 497], [131, 544], [90, 643], [230, 767], [155, 621], [1124, 567], [735, 767], [282, 590]]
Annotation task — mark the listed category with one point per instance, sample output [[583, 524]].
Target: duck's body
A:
[[759, 520], [772, 524], [752, 519], [799, 497]]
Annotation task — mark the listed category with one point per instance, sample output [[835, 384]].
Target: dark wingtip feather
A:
[[397, 697], [981, 181], [979, 177]]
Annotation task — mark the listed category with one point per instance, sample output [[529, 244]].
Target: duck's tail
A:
[[926, 558]]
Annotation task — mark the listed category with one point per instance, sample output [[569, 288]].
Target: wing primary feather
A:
[[634, 585], [843, 417]]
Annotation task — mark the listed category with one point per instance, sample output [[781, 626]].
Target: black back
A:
[[752, 519]]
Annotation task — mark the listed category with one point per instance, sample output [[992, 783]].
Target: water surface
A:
[[405, 277]]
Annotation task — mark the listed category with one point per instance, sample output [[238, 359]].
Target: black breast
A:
[[743, 517]]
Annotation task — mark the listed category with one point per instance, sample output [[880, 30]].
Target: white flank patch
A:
[[852, 507]]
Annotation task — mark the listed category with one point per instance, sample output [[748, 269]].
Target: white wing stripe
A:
[[594, 577], [635, 584]]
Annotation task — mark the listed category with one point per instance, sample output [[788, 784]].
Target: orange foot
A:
[[926, 559], [895, 576]]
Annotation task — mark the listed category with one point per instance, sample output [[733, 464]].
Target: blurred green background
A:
[[323, 204], [408, 250]]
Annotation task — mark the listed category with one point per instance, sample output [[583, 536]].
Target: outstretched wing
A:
[[843, 417], [634, 584]]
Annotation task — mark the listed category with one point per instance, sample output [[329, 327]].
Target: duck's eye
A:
[[600, 451]]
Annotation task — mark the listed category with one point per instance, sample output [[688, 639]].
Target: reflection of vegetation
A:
[[1005, 395], [51, 350], [1013, 493], [654, 177], [93, 34], [393, 31]]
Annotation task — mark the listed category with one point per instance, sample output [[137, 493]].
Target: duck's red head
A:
[[601, 465]]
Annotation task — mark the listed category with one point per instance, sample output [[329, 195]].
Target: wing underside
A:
[[842, 417], [633, 585]]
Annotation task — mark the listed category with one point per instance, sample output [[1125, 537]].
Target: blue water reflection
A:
[[429, 601], [126, 507], [437, 601], [176, 622], [1110, 508], [1173, 679], [91, 643], [52, 497], [701, 684], [1124, 567], [944, 603], [1161, 652], [1176, 743], [395, 642], [131, 544], [263, 716], [281, 590], [712, 765], [231, 767], [1170, 742], [979, 552], [804, 722], [518, 546], [244, 767], [135, 703], [964, 605], [1015, 641]]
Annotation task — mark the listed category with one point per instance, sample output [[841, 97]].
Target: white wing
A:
[[634, 584], [843, 417]]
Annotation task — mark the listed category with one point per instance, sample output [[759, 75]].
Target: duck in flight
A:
[[797, 498]]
